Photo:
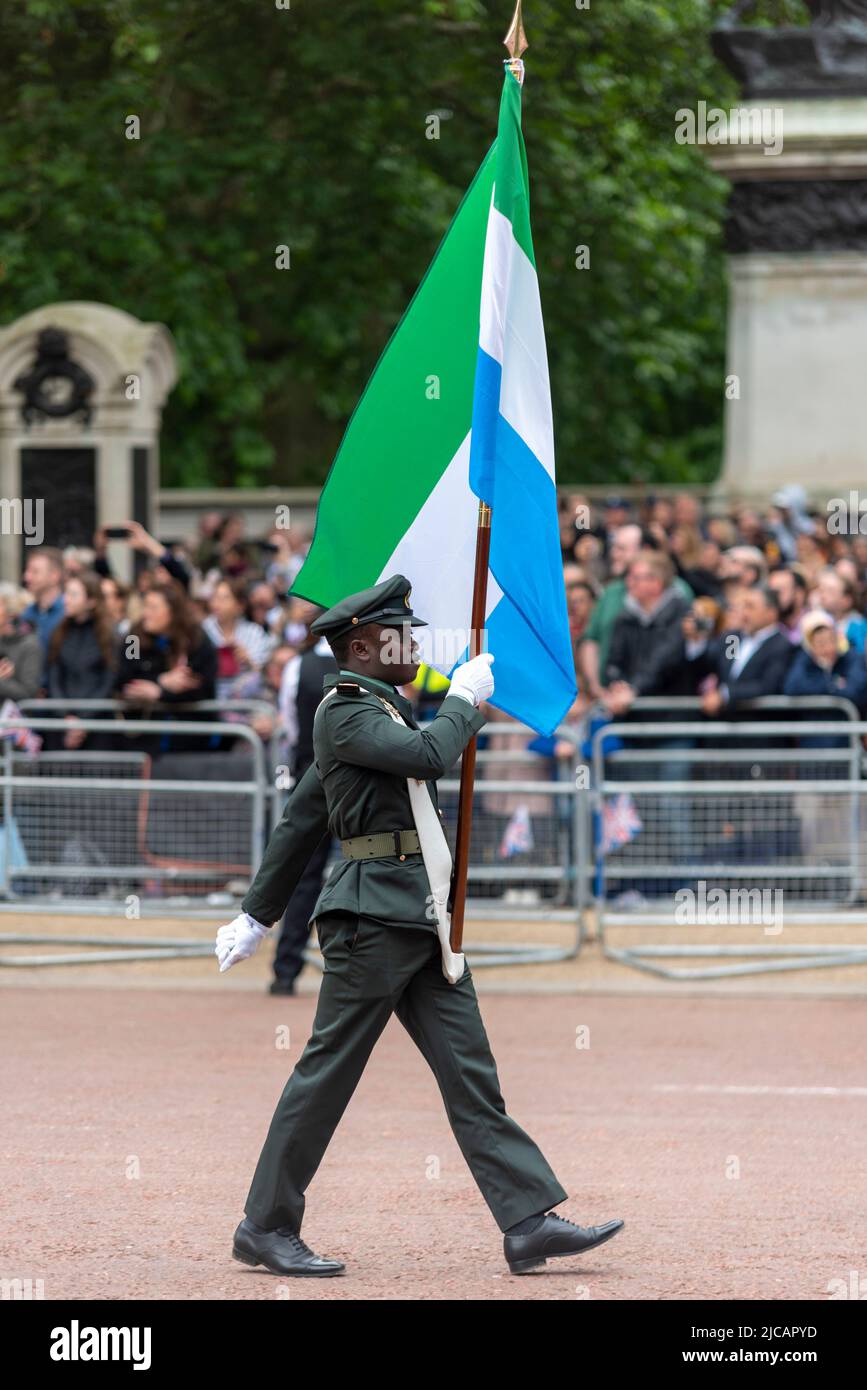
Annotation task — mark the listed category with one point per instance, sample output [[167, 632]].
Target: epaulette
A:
[[347, 688]]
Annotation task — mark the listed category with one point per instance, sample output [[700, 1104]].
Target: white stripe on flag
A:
[[511, 331], [438, 553]]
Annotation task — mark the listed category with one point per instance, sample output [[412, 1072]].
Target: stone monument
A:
[[796, 404], [82, 387]]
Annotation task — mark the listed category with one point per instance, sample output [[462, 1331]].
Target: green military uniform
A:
[[378, 940]]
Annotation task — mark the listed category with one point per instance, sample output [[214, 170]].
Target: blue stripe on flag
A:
[[528, 631], [486, 424], [529, 685]]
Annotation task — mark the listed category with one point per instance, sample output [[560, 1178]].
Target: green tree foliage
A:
[[307, 127]]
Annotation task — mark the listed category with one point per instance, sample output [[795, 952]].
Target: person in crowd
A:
[[81, 656], [688, 551], [751, 527], [646, 655], [704, 622], [43, 579], [661, 514], [616, 513], [790, 586], [826, 664], [721, 532], [165, 567], [733, 607], [858, 550], [270, 725], [588, 552], [78, 559], [687, 510], [744, 564], [593, 653], [286, 558], [747, 663], [814, 555], [263, 608], [300, 694], [580, 598], [789, 519], [243, 647], [166, 659], [566, 524], [206, 550], [848, 567], [233, 555], [836, 595], [21, 655], [116, 597]]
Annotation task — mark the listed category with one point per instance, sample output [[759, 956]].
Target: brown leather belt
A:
[[388, 844]]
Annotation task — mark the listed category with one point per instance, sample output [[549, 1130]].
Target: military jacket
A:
[[357, 786]]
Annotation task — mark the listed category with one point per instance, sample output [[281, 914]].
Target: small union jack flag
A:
[[518, 834], [620, 822], [22, 737]]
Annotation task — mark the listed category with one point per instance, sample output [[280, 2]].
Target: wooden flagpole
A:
[[515, 42]]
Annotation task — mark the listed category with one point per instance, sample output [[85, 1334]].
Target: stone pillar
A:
[[82, 387], [796, 234]]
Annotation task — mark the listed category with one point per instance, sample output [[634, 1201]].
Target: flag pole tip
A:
[[516, 40]]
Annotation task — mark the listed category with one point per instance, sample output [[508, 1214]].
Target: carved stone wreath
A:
[[55, 387]]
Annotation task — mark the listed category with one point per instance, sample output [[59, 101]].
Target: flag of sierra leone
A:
[[459, 409]]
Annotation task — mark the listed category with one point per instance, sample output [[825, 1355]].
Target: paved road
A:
[[729, 1132]]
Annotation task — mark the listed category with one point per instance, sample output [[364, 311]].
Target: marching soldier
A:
[[382, 950]]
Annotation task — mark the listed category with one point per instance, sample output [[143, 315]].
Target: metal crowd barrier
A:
[[697, 821], [758, 807], [542, 882], [224, 709], [96, 831]]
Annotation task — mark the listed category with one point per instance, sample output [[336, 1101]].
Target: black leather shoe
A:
[[282, 1251], [281, 987], [555, 1236]]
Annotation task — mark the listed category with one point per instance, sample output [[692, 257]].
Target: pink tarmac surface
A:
[[728, 1130]]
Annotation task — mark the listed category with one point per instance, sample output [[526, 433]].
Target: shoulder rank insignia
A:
[[347, 688]]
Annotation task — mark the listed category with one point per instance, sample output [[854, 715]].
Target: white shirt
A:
[[748, 646], [287, 699], [257, 643]]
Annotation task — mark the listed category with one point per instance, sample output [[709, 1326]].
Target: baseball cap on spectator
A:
[[814, 621], [793, 498]]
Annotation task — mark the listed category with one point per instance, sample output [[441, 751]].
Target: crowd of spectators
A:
[[666, 596], [204, 621], [669, 597]]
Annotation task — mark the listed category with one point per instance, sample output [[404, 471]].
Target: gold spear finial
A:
[[516, 39]]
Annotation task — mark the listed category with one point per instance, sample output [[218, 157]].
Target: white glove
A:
[[238, 940], [473, 681]]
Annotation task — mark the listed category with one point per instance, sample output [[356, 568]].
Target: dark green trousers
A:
[[371, 971]]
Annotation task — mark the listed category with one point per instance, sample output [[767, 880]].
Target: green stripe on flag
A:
[[512, 191], [399, 442]]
